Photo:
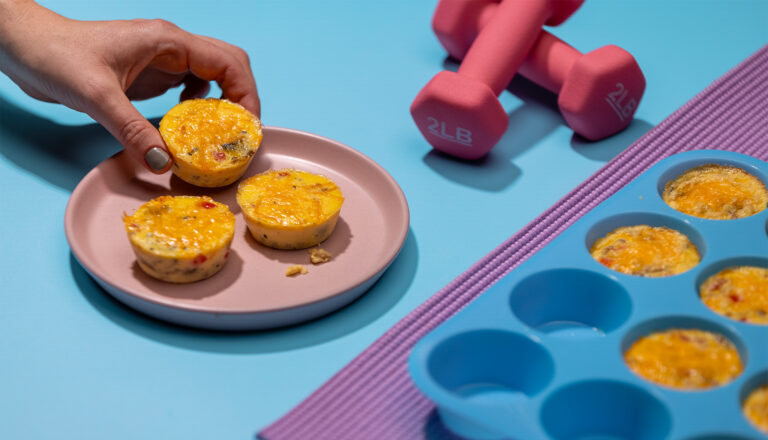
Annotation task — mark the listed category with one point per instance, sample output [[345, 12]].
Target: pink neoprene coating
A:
[[459, 114], [601, 93]]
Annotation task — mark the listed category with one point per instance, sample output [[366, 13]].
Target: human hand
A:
[[97, 67]]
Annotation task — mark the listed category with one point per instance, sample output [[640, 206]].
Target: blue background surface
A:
[[76, 364]]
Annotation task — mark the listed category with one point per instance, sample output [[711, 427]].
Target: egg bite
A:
[[181, 239], [739, 293], [648, 251], [688, 359], [718, 192], [290, 209], [755, 408], [212, 141]]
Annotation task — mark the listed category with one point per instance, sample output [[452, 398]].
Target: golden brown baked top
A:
[[211, 134], [289, 198], [756, 408], [646, 251], [181, 226], [717, 192], [685, 358], [740, 293]]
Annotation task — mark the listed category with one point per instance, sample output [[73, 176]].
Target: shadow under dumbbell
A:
[[610, 147], [531, 121]]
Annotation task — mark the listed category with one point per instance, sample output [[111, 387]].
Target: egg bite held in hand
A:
[[181, 239], [212, 141], [290, 209]]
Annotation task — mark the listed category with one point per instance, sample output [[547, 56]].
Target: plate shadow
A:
[[384, 294], [534, 119]]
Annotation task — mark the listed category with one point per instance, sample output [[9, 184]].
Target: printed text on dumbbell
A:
[[459, 135], [616, 100]]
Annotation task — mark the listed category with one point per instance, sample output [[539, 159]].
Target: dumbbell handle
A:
[[549, 62], [504, 42], [549, 59]]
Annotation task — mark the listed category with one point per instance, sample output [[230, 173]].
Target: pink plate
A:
[[251, 291]]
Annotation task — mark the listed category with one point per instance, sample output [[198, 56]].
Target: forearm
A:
[[21, 23], [13, 16]]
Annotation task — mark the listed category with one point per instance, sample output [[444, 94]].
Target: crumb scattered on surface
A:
[[319, 256], [298, 269]]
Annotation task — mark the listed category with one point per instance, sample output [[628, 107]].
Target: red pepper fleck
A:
[[199, 259], [718, 284], [207, 205], [219, 155], [743, 319], [227, 254], [735, 298], [282, 173], [606, 261], [134, 226]]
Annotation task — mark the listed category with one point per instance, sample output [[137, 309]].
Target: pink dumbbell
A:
[[458, 112], [598, 92]]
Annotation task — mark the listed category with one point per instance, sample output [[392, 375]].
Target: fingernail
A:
[[157, 158]]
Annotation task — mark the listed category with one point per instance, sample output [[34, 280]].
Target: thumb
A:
[[138, 136]]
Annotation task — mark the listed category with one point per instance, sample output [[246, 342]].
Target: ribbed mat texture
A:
[[373, 396]]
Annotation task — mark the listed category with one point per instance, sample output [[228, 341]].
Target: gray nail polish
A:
[[157, 158]]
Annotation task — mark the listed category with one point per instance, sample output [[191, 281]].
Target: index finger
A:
[[213, 62]]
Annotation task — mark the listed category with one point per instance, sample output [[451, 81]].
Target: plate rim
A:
[[402, 233]]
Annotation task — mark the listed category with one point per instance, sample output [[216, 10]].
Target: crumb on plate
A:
[[319, 256], [294, 270]]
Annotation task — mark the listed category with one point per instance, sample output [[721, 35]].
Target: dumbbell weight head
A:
[[459, 116], [458, 113], [601, 92], [457, 22]]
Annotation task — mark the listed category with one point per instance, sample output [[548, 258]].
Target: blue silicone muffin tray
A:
[[540, 354]]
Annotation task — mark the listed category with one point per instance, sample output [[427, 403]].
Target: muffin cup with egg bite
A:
[[648, 251], [717, 192], [290, 209], [212, 141], [181, 239], [686, 359]]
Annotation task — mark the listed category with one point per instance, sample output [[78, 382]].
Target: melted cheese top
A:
[[687, 359], [740, 293], [290, 198], [756, 408], [181, 226], [716, 192], [646, 251], [210, 133]]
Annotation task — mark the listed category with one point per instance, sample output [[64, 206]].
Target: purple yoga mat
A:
[[373, 397]]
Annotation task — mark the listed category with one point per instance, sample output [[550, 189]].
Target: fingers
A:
[[254, 105], [176, 51], [152, 82], [139, 137], [194, 87], [213, 60]]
